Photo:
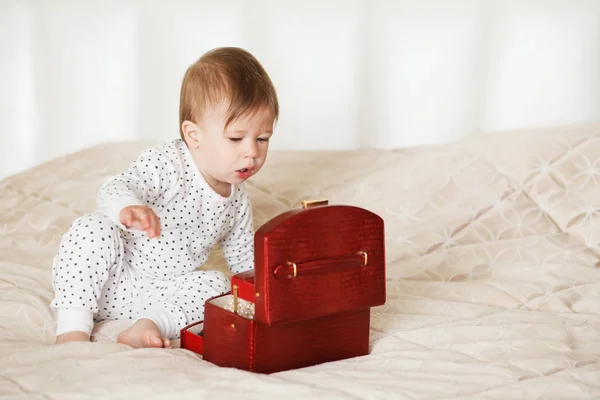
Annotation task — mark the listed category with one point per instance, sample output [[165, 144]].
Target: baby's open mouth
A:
[[243, 170]]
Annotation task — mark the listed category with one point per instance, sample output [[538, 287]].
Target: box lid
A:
[[318, 260]]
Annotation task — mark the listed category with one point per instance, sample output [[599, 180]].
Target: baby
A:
[[136, 257]]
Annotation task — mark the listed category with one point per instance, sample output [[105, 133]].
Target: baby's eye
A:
[[263, 139], [235, 139]]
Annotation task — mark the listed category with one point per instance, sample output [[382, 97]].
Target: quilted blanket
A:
[[493, 277]]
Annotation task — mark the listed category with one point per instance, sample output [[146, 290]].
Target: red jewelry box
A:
[[318, 271]]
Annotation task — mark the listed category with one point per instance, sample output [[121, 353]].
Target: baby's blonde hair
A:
[[226, 74]]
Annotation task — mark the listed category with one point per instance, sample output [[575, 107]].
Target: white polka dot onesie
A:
[[104, 271]]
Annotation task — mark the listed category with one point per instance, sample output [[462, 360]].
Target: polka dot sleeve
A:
[[145, 181], [238, 245]]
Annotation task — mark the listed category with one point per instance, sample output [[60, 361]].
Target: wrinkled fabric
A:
[[493, 284]]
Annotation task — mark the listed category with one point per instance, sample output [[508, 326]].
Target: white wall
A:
[[350, 73]]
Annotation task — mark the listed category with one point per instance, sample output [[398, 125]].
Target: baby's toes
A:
[[154, 340], [166, 343]]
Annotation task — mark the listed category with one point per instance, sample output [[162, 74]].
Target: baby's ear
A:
[[191, 134]]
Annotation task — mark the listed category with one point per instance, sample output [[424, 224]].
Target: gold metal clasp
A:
[[314, 203], [365, 257], [294, 267]]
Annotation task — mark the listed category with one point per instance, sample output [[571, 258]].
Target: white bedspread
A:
[[493, 276]]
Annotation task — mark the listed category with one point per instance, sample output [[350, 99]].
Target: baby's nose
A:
[[252, 150]]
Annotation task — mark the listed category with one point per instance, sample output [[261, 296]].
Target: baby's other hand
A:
[[141, 218]]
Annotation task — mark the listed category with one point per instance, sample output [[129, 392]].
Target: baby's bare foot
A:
[[75, 336], [143, 333]]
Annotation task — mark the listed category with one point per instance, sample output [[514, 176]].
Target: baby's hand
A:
[[141, 218]]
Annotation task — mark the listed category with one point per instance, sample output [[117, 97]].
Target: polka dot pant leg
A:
[[88, 272], [176, 302]]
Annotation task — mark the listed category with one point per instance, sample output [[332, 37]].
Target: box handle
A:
[[325, 265], [306, 204]]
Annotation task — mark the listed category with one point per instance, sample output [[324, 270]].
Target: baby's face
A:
[[232, 155]]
